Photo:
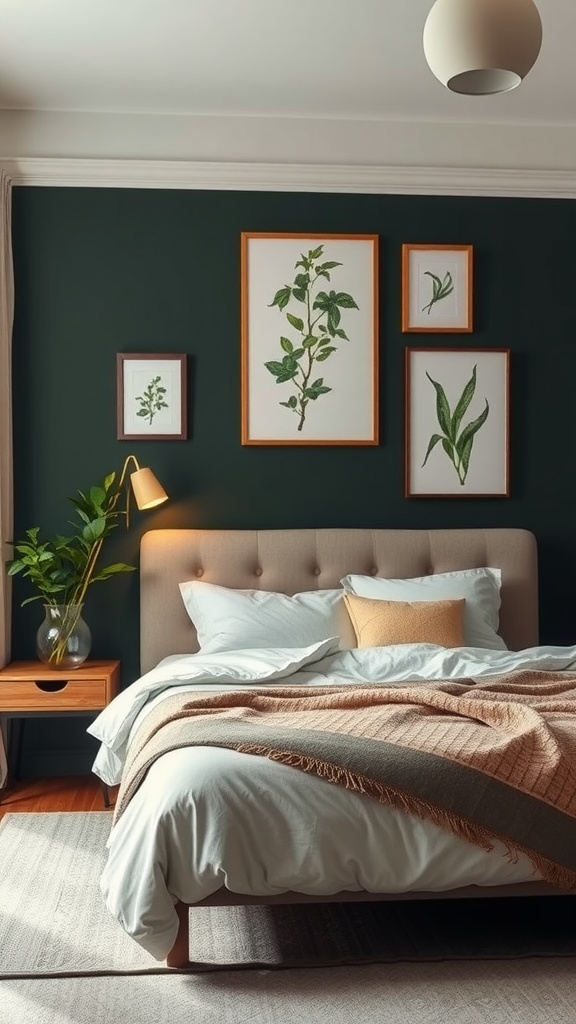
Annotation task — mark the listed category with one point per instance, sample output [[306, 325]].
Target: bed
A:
[[266, 806]]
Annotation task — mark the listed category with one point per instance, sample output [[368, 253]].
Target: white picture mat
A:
[[488, 469], [347, 412]]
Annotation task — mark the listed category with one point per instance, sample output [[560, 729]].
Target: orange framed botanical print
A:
[[437, 288], [457, 422], [309, 339]]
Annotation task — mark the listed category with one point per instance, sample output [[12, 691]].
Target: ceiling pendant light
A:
[[482, 47]]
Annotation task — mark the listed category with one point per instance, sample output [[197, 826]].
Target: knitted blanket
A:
[[487, 760]]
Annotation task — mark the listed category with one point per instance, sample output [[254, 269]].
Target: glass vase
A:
[[63, 639]]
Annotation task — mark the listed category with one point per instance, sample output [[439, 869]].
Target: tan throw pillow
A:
[[379, 623]]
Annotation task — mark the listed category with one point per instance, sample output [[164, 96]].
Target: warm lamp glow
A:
[[148, 492], [482, 47]]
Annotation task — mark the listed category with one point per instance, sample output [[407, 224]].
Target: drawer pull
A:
[[52, 687]]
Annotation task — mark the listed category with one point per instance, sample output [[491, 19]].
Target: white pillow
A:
[[231, 620], [480, 588]]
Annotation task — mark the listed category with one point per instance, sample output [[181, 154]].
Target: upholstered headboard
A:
[[294, 560]]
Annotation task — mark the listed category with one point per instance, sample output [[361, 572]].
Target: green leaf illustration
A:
[[282, 297], [274, 367], [464, 452], [345, 301], [152, 400], [323, 355], [296, 322], [442, 407], [457, 447], [431, 446], [463, 403], [474, 427], [440, 288], [315, 339]]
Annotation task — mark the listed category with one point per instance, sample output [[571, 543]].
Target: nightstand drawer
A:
[[53, 695]]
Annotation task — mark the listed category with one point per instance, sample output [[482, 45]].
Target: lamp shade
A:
[[148, 492], [482, 47]]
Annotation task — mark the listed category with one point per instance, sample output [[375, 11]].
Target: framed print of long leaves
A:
[[309, 339], [457, 439]]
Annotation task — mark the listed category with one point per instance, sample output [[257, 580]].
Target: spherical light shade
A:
[[481, 47]]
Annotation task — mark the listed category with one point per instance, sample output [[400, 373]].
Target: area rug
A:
[[53, 922]]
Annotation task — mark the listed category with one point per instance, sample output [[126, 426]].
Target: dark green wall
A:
[[101, 271]]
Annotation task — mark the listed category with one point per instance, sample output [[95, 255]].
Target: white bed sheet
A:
[[206, 817]]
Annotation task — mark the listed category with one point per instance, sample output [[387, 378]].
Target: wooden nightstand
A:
[[30, 688]]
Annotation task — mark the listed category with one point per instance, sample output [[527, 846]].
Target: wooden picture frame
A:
[[457, 422], [151, 396], [309, 339], [437, 289]]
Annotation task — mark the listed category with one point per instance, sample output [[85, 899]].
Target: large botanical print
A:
[[309, 339], [457, 422]]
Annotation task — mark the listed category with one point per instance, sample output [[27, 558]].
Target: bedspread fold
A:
[[488, 760]]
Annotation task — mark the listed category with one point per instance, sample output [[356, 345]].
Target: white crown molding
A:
[[275, 177]]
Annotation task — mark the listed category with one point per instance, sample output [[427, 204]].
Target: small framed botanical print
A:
[[151, 396], [437, 288]]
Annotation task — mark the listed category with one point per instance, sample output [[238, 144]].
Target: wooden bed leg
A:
[[179, 955]]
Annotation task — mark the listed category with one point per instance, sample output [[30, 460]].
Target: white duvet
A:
[[206, 817]]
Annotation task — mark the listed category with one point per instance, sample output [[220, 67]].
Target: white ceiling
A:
[[303, 58], [226, 66]]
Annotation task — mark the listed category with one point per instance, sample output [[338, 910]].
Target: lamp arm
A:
[[129, 458]]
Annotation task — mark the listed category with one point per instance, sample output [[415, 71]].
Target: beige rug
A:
[[49, 862], [53, 919], [487, 992]]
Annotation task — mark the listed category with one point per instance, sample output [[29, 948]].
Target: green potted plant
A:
[[62, 568]]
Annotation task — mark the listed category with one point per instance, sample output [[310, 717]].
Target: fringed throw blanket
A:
[[486, 760]]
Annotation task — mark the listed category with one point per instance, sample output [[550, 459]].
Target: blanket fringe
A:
[[555, 874]]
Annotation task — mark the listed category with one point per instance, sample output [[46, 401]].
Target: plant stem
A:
[[79, 594], [59, 650]]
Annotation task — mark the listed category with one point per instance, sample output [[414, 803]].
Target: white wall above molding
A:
[[287, 154]]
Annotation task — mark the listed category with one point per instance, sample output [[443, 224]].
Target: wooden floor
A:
[[73, 793]]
